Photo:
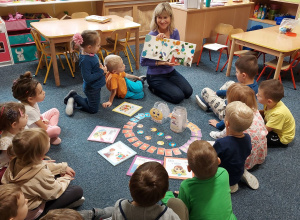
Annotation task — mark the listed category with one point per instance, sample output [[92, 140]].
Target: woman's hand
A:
[[213, 122], [161, 36]]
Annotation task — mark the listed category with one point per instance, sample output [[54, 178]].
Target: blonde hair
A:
[[112, 62], [62, 214], [243, 93], [239, 115], [29, 146], [9, 195], [202, 159], [160, 9]]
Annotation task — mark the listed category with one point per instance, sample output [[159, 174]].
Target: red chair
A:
[[240, 52], [285, 67], [220, 29]]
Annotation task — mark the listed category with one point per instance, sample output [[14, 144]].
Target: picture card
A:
[[144, 146], [132, 139], [151, 149], [131, 123], [137, 144], [168, 152], [139, 160], [169, 50], [117, 153], [177, 168], [127, 108], [161, 151], [104, 134]]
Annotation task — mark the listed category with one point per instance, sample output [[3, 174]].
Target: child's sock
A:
[[218, 134], [70, 106], [250, 180]]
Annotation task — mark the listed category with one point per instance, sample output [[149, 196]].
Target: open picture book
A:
[[97, 18], [177, 168], [169, 50]]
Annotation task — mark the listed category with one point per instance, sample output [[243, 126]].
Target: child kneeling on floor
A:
[[118, 83], [202, 193]]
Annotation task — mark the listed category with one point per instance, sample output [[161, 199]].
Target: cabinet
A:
[[291, 7], [140, 10]]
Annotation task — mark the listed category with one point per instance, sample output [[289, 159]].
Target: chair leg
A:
[[209, 55], [224, 66], [62, 65], [219, 60], [272, 70], [130, 51], [38, 67], [48, 69], [66, 56], [199, 56], [293, 79], [126, 53], [101, 55], [262, 72]]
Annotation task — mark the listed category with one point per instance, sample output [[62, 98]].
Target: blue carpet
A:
[[103, 184]]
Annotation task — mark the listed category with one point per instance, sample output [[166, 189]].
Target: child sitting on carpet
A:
[[234, 149], [13, 204], [257, 130], [246, 70], [118, 83], [12, 120], [37, 178], [202, 193], [280, 122], [30, 92], [92, 73]]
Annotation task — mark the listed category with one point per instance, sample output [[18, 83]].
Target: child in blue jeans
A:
[[118, 82], [92, 73]]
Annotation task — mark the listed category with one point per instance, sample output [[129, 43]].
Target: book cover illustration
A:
[[127, 108], [170, 50], [97, 18], [104, 134], [177, 168], [117, 153], [139, 160]]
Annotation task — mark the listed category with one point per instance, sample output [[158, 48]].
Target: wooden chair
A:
[[115, 47], [220, 29], [79, 15], [240, 52], [45, 52], [286, 66]]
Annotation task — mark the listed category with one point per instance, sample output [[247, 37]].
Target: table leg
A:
[[54, 63], [279, 65], [230, 58], [137, 46]]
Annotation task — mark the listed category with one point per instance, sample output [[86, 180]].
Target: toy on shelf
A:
[[160, 112], [178, 119], [287, 25]]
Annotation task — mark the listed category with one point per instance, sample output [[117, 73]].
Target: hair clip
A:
[[21, 113], [77, 38], [2, 110]]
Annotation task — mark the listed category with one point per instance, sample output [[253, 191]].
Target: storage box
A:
[[16, 25], [24, 53], [20, 39]]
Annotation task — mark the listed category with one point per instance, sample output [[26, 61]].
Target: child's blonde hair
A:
[[62, 214], [112, 62], [202, 159], [9, 195], [10, 112], [160, 9], [243, 93], [24, 87], [239, 115], [29, 146]]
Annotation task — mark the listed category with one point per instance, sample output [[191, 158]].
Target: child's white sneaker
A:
[[250, 180], [234, 188], [201, 104], [217, 134], [70, 106]]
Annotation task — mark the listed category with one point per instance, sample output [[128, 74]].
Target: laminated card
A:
[[127, 108], [117, 153], [170, 50], [177, 168], [139, 160], [104, 134]]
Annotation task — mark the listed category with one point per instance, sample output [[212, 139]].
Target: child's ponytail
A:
[[24, 87]]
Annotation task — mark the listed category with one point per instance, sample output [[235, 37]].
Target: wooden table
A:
[[267, 40], [63, 31]]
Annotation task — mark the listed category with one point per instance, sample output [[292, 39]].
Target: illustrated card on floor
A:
[[160, 151], [104, 134], [139, 160], [170, 50], [131, 123], [176, 151], [137, 144], [127, 108], [151, 149], [117, 153], [132, 139], [177, 168], [144, 146], [126, 131]]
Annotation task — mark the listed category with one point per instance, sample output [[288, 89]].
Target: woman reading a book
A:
[[162, 78]]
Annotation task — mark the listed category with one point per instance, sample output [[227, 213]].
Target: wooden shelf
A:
[[27, 3], [266, 21]]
